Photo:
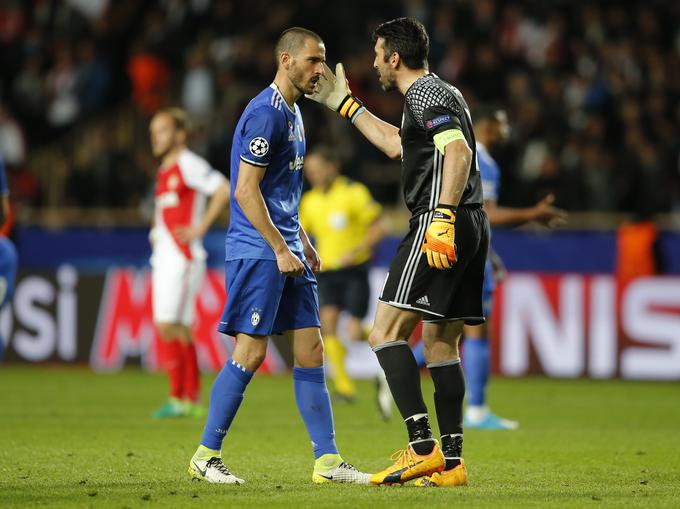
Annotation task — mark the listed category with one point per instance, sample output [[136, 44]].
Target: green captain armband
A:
[[444, 138]]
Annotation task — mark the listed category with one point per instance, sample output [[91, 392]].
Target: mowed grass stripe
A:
[[70, 438]]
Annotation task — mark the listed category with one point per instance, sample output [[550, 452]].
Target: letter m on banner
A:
[[125, 327], [125, 324]]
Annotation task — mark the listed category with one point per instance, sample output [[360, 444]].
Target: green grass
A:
[[69, 438]]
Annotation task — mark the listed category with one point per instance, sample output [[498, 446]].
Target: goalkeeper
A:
[[438, 271]]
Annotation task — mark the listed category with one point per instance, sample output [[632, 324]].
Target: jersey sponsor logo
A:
[[442, 119], [423, 301], [258, 146], [296, 164], [167, 200]]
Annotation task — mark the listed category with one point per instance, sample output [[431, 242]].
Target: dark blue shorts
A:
[[261, 301]]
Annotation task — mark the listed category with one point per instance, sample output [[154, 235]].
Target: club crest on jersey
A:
[[173, 182], [291, 133], [255, 317], [442, 119], [258, 146]]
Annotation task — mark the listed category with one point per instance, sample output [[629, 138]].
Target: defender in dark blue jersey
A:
[[271, 288]]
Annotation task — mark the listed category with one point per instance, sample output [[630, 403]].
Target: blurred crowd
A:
[[592, 90]]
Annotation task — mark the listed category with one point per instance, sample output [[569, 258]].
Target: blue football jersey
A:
[[269, 134], [489, 173]]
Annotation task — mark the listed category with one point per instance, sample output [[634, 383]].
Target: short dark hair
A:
[[406, 36], [327, 152], [292, 39], [486, 112]]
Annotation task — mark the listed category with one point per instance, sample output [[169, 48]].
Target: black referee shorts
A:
[[346, 289], [453, 294]]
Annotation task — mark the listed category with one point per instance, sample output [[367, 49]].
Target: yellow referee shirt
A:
[[339, 220]]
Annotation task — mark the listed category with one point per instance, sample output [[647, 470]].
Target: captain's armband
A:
[[444, 138]]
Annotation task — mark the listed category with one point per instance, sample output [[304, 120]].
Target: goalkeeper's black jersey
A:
[[433, 106]]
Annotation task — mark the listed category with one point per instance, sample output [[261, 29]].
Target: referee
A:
[[346, 224]]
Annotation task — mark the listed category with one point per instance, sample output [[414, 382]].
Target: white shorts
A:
[[175, 282]]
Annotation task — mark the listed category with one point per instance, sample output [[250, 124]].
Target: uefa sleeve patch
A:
[[258, 146], [442, 119]]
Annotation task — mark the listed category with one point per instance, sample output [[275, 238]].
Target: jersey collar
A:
[[419, 80], [283, 99]]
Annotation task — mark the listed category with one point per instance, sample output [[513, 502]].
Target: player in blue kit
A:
[[492, 129], [270, 262]]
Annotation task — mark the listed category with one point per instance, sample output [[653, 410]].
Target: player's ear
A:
[[285, 59], [395, 59]]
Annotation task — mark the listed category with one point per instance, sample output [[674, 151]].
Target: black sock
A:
[[420, 434], [449, 392], [452, 447], [403, 378]]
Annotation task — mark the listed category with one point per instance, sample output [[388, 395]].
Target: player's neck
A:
[[408, 77], [289, 92], [327, 186], [171, 157]]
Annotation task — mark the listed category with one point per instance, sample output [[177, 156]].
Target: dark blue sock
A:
[[476, 368], [225, 398], [314, 406], [419, 353]]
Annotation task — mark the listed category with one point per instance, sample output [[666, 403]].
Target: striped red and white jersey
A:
[[181, 195]]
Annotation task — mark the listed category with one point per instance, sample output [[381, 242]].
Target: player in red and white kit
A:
[[189, 197]]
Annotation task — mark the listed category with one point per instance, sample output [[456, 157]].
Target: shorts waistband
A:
[[466, 206]]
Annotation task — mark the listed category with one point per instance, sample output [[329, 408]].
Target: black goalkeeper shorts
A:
[[452, 294]]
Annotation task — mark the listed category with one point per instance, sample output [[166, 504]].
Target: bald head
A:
[[291, 41]]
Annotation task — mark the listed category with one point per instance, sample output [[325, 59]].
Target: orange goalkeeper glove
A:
[[439, 243]]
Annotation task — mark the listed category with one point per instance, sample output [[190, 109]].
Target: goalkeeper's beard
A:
[[387, 84]]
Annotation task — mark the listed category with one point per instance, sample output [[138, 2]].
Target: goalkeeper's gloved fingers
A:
[[437, 259], [328, 74], [350, 107]]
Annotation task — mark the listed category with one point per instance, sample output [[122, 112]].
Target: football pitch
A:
[[70, 438]]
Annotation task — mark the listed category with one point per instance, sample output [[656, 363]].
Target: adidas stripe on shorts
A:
[[453, 294]]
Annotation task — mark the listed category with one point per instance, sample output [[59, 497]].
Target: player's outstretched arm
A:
[[249, 197], [383, 135], [333, 92], [544, 212]]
